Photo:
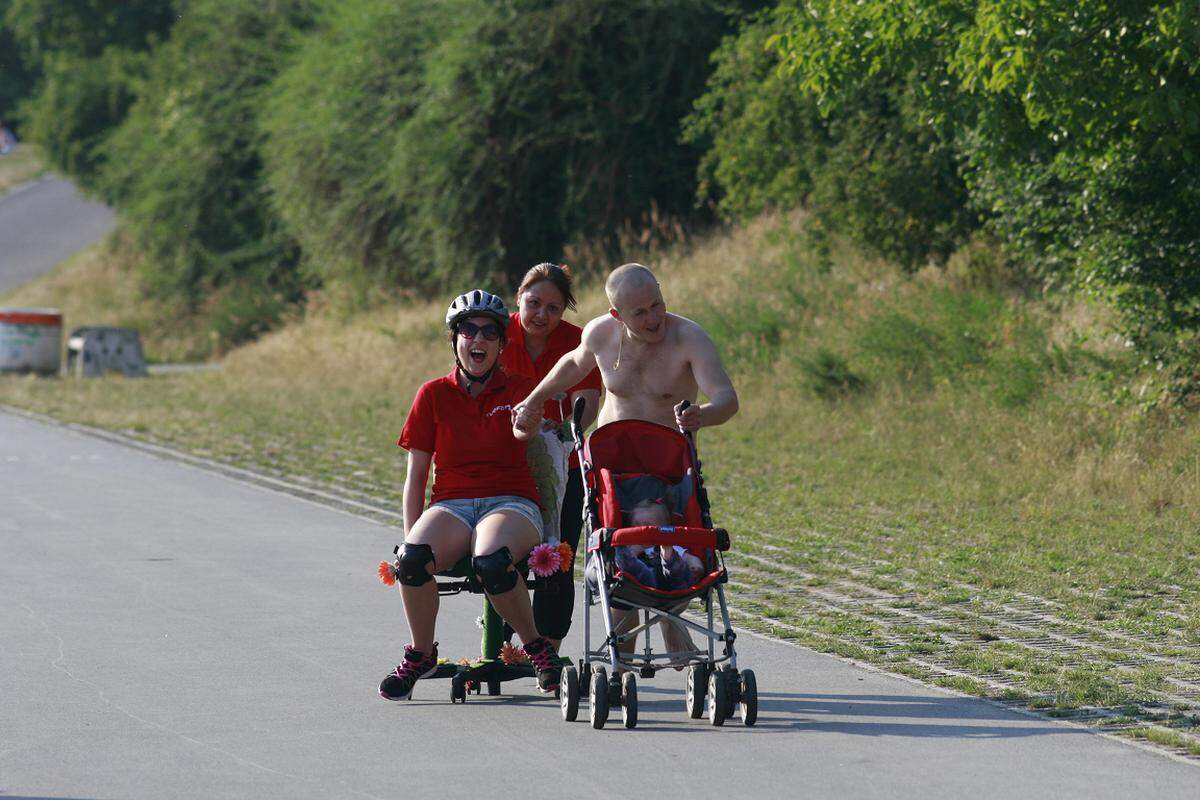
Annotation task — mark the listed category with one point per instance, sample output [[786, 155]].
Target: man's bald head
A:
[[627, 276]]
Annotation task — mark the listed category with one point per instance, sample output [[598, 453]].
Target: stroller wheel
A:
[[629, 700], [697, 687], [718, 697], [748, 706], [569, 694], [598, 698]]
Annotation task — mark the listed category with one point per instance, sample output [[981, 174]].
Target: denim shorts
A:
[[473, 510]]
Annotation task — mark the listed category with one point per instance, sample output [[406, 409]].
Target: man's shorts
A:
[[472, 511]]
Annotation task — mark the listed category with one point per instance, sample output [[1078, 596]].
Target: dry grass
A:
[[100, 285], [19, 166]]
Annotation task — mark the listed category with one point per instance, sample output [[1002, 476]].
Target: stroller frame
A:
[[714, 684]]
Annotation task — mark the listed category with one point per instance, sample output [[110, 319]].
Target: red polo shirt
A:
[[562, 340], [474, 451]]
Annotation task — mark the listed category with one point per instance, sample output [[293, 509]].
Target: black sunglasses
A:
[[470, 330]]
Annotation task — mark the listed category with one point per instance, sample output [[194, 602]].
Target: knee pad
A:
[[495, 571], [413, 560]]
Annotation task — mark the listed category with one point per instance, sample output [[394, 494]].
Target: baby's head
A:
[[649, 512]]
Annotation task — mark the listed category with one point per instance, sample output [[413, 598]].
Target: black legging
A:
[[553, 606]]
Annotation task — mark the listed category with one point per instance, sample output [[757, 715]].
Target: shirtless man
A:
[[650, 361]]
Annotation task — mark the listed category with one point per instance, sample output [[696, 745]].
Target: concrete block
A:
[[94, 351]]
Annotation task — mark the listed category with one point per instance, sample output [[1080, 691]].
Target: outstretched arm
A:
[[570, 370], [713, 382]]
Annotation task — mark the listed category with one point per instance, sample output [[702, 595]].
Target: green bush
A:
[[86, 28], [17, 73], [331, 122], [493, 134], [78, 103], [185, 166], [78, 63], [1079, 121], [764, 141], [871, 170]]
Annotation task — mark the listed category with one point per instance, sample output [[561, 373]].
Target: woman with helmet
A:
[[538, 337], [484, 502]]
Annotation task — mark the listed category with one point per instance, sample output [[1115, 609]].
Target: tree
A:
[[83, 58], [17, 75], [870, 169], [185, 166], [1079, 121]]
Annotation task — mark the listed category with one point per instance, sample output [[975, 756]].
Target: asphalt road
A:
[[42, 223], [170, 632]]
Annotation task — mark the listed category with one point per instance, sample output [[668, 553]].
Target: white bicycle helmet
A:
[[476, 303]]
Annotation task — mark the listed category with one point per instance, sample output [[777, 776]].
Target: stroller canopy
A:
[[635, 447]]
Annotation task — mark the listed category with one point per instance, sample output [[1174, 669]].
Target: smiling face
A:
[[643, 312], [477, 353], [540, 309]]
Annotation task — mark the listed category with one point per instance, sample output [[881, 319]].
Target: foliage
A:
[[186, 169], [78, 102], [86, 57], [331, 122], [1079, 121], [552, 122], [494, 134], [17, 74], [86, 28], [871, 170]]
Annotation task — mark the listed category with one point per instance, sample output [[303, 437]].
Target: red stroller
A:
[[614, 457]]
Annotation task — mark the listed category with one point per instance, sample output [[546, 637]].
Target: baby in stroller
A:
[[667, 567], [651, 550]]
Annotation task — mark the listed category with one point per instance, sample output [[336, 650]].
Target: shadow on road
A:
[[920, 716]]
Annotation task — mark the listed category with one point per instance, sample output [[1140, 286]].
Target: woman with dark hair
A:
[[484, 503], [538, 336]]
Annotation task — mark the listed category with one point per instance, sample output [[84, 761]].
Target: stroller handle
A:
[[684, 406], [703, 493], [577, 421]]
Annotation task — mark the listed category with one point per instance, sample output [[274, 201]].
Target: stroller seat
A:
[[620, 491]]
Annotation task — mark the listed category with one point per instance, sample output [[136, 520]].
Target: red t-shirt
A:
[[474, 451], [563, 339]]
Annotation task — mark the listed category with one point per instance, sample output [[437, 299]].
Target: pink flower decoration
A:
[[544, 560], [387, 574]]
